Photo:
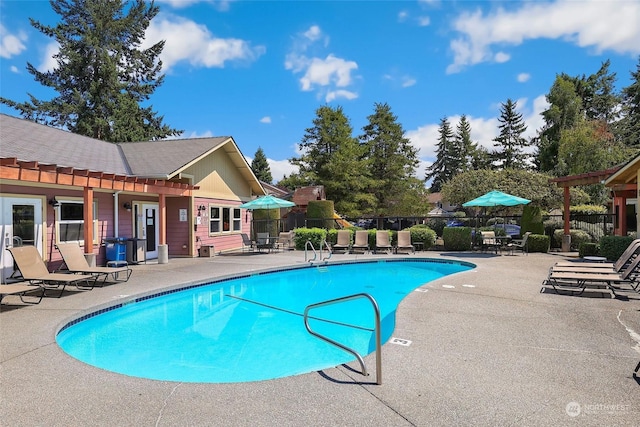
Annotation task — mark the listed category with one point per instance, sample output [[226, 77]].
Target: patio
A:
[[486, 348]]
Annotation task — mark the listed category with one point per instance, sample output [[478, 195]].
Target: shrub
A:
[[577, 237], [457, 238], [314, 235], [531, 220], [321, 209], [588, 209], [587, 249], [436, 224], [422, 233], [612, 247], [538, 243], [550, 226]]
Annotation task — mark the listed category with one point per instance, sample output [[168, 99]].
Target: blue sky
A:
[[258, 70]]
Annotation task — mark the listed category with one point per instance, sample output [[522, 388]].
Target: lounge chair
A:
[[382, 241], [576, 282], [34, 270], [624, 259], [404, 242], [520, 245], [21, 290], [76, 263], [247, 243], [343, 242], [361, 241]]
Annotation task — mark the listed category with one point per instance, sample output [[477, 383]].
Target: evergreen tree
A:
[[510, 144], [330, 129], [443, 169], [393, 160], [260, 166], [102, 76], [564, 111], [465, 146], [628, 128]]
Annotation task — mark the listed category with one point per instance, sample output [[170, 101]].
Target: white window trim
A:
[[220, 220], [79, 201]]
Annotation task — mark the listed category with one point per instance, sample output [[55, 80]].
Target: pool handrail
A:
[[315, 254], [376, 310]]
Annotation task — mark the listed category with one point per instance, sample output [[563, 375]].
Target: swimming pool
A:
[[249, 328]]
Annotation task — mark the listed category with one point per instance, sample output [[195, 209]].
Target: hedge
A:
[[538, 243], [457, 238], [612, 247]]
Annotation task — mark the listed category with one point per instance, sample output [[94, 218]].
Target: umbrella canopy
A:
[[496, 198], [267, 202]]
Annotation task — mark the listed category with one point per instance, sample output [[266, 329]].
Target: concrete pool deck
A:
[[486, 347]]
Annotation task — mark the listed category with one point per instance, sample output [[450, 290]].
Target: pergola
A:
[[623, 181]]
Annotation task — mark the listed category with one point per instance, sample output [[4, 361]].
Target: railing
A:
[[376, 310], [315, 254], [309, 245]]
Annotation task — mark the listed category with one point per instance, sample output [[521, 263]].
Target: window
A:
[[223, 219], [71, 223]]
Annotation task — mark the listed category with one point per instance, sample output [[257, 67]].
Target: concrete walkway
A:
[[486, 348]]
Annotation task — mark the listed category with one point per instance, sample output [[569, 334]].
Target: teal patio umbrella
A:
[[496, 198], [266, 202]]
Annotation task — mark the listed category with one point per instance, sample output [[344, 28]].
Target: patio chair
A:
[[404, 242], [21, 290], [361, 241], [264, 241], [520, 245], [285, 240], [489, 241], [247, 243], [576, 282], [343, 242], [34, 270], [76, 263], [382, 241]]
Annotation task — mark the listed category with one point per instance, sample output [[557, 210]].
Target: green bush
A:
[[612, 247], [321, 209], [550, 226], [531, 220], [538, 243], [436, 224], [588, 209], [422, 233], [314, 235], [577, 237], [457, 238], [587, 249]]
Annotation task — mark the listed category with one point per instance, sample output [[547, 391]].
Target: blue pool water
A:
[[249, 328]]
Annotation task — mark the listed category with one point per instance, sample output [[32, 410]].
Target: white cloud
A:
[[265, 119], [403, 15], [280, 168], [221, 5], [600, 25], [501, 57], [424, 21], [11, 44], [49, 63], [523, 77], [337, 94], [408, 81], [194, 43], [330, 76], [14, 69]]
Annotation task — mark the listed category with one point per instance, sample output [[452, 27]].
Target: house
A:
[[168, 198], [626, 198]]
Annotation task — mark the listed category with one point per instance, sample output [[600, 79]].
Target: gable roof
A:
[[29, 141], [627, 174]]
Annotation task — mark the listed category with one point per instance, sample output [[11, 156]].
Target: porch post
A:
[[163, 248], [88, 225], [566, 238]]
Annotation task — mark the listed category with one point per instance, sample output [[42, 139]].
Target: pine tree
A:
[[510, 144], [628, 128], [102, 76], [442, 170], [466, 147], [393, 158], [260, 166]]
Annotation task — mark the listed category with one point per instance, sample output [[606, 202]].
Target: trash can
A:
[[136, 250], [115, 249]]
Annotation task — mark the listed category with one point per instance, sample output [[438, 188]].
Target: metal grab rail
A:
[[326, 244], [376, 310], [315, 254]]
